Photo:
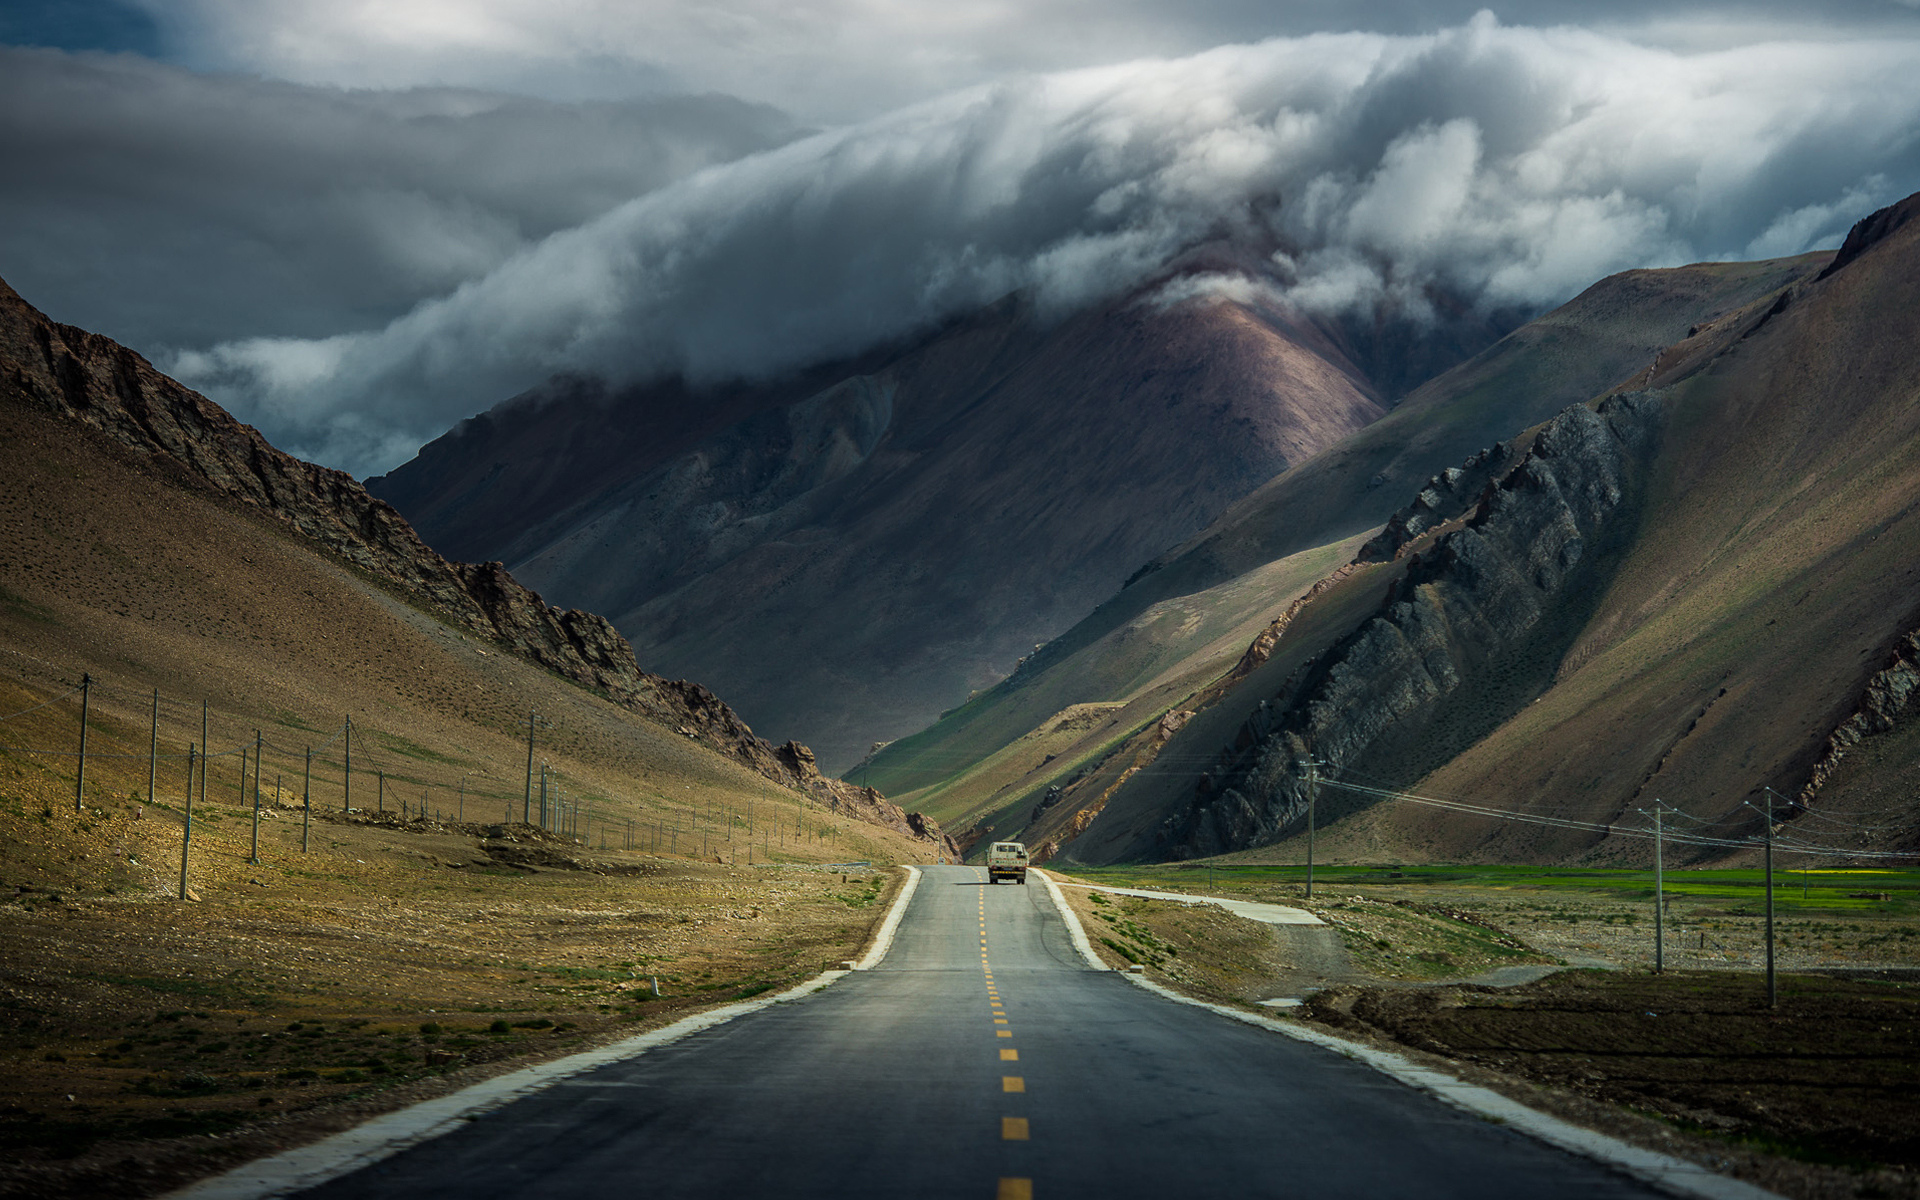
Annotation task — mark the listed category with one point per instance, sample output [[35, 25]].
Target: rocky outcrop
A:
[[1261, 648], [1448, 496], [1480, 591], [108, 387], [1883, 703]]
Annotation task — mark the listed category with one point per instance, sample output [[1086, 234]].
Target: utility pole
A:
[[346, 795], [80, 776], [203, 752], [463, 799], [306, 806], [1311, 766], [1659, 898], [1773, 993]]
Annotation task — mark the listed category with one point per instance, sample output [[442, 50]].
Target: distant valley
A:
[[851, 551]]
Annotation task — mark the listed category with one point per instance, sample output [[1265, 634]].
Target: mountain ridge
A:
[[1199, 594], [1778, 466], [914, 524]]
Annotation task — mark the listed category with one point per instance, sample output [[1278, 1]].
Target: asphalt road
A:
[[983, 1059]]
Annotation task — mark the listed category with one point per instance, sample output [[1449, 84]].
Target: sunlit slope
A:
[[120, 565], [1186, 611]]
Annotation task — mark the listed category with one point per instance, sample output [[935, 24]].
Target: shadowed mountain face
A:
[[851, 552]]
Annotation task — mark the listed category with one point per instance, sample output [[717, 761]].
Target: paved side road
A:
[[982, 1059]]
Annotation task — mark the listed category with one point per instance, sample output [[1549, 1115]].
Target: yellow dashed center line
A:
[[1012, 1129]]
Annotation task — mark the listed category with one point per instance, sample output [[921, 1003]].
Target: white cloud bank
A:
[[1508, 165]]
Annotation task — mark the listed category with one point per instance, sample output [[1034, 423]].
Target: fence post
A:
[[306, 805], [186, 835], [80, 776], [258, 742], [153, 747]]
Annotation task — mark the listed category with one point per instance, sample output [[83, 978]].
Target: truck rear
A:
[[1007, 860]]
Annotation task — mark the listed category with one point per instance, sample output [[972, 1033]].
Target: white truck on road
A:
[[1007, 860]]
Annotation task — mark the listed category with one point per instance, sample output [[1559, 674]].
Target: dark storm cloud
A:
[[842, 60], [168, 208], [1507, 165]]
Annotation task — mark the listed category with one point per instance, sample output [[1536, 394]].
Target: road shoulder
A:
[[1672, 1174], [388, 1134]]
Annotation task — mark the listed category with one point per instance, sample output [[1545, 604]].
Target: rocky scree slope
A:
[[93, 380]]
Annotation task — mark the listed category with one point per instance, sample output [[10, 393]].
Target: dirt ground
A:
[[146, 1042], [1826, 1078]]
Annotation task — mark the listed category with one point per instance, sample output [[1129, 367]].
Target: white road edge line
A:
[[883, 940], [1074, 930], [1664, 1171], [388, 1134]]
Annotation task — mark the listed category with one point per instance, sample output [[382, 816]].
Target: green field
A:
[[1849, 889]]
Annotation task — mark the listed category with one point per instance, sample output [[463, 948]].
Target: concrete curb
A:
[[388, 1134], [1674, 1175]]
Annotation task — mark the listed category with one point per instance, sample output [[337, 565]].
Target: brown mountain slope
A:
[[178, 437], [1222, 581], [848, 555], [1694, 591], [1769, 600]]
